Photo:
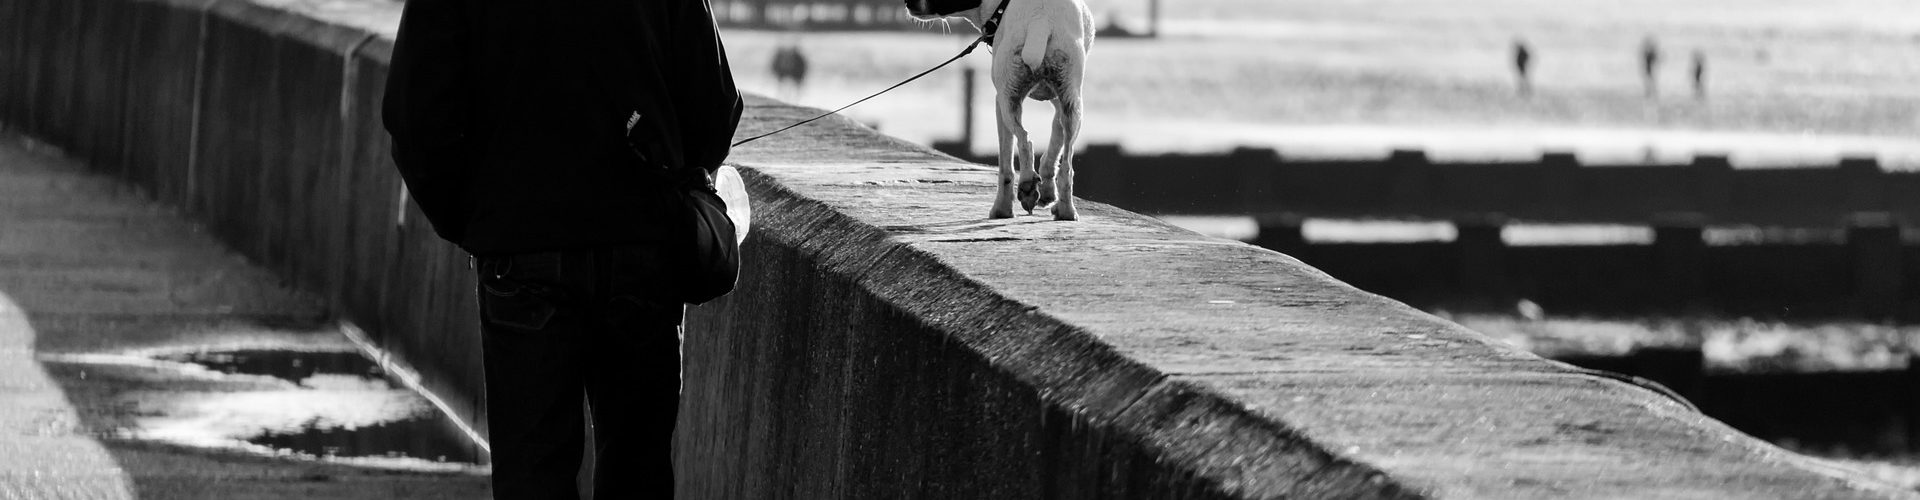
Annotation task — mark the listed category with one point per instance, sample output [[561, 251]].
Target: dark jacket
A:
[[510, 119]]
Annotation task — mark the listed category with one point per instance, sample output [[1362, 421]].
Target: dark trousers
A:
[[560, 326]]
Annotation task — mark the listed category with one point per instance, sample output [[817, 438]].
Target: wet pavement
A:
[[140, 358], [352, 411]]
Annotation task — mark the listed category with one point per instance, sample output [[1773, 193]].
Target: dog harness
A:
[[987, 31]]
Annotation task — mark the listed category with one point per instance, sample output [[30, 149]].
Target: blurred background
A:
[[1717, 195], [1360, 76], [1714, 194]]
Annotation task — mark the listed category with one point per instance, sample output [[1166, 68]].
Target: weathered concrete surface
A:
[[890, 339], [90, 267], [44, 449]]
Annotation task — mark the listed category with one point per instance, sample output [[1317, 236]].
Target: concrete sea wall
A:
[[887, 340]]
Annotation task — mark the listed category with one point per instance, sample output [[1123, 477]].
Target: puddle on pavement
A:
[[343, 408]]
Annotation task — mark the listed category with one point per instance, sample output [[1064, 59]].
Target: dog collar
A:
[[992, 27]]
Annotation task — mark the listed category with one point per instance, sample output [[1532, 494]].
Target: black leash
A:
[[986, 36]]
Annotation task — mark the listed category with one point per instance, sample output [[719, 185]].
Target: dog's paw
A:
[[1029, 194], [1047, 196], [1064, 211]]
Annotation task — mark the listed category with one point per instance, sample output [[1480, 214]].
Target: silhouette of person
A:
[[518, 129], [1699, 75], [1649, 61], [1522, 59], [790, 68]]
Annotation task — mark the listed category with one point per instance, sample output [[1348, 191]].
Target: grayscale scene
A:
[[959, 249]]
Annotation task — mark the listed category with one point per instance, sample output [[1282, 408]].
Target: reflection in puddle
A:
[[335, 405], [292, 366], [425, 436]]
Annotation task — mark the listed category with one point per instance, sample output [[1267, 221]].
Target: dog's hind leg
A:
[[1067, 116], [1014, 149], [1050, 164]]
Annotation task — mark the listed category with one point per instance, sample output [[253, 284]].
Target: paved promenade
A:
[[94, 277]]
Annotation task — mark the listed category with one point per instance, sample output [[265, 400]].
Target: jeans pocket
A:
[[514, 305]]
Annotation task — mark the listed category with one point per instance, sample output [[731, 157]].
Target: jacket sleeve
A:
[[708, 106], [427, 111]]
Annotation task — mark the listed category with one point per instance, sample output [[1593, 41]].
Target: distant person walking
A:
[[1699, 75], [1522, 59], [790, 68], [1649, 62]]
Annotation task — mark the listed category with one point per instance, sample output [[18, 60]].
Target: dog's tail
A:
[[1035, 51]]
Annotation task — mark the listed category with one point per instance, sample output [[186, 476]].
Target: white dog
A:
[[1040, 51]]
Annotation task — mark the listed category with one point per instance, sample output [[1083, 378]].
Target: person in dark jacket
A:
[[544, 139]]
